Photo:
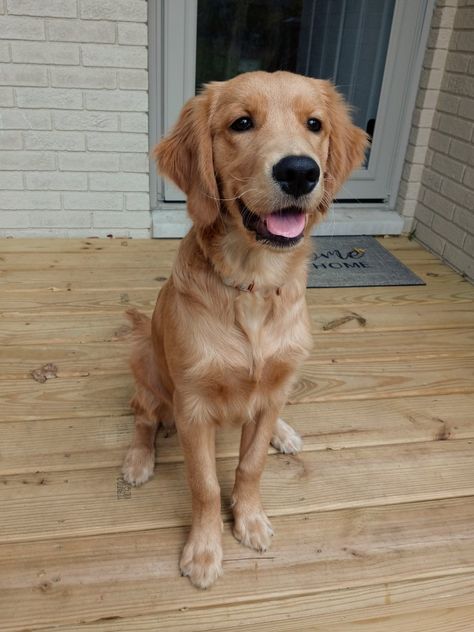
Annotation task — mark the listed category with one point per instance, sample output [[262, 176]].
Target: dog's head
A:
[[268, 150]]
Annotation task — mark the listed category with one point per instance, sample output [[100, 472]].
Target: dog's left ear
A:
[[347, 143], [185, 156]]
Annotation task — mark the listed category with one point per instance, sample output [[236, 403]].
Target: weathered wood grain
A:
[[373, 520], [337, 565], [93, 442], [84, 395], [364, 347], [87, 502]]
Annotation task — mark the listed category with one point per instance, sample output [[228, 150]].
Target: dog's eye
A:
[[242, 124], [314, 124]]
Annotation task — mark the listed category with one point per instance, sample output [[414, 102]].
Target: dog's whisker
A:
[[240, 179], [229, 199]]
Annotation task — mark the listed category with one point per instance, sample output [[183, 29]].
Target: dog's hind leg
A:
[[140, 459], [285, 439], [148, 404]]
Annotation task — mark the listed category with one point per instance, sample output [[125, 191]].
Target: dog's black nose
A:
[[296, 175]]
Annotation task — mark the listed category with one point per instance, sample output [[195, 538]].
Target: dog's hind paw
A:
[[285, 439], [138, 466]]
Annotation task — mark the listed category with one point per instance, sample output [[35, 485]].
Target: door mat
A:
[[356, 261]]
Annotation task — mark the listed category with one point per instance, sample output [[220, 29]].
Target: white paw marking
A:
[[138, 466], [285, 439]]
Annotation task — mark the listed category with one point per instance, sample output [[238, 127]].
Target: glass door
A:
[[342, 40], [369, 48]]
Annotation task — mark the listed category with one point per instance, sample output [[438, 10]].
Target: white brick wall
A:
[[442, 201], [426, 102], [74, 118]]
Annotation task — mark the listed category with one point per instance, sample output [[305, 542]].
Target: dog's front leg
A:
[[201, 559], [251, 525]]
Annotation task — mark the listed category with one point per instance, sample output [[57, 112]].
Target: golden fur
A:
[[214, 354]]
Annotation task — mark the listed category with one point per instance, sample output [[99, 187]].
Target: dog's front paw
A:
[[138, 466], [285, 439], [201, 559], [252, 528]]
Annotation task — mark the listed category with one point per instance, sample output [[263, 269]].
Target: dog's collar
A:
[[248, 287]]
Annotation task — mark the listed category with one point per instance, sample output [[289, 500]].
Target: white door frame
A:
[[172, 82]]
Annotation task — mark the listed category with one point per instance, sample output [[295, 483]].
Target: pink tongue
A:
[[286, 225]]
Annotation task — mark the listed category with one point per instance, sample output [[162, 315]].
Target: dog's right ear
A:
[[185, 156], [347, 143]]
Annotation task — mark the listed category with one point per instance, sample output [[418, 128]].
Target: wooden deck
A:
[[374, 520]]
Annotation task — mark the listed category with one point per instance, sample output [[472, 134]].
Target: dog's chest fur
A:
[[252, 312], [247, 366], [265, 327]]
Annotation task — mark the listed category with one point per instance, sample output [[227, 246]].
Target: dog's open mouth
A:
[[284, 227]]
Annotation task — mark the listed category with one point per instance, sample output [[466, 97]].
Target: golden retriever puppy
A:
[[260, 157]]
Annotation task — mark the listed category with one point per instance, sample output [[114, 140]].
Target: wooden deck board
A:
[[441, 605], [95, 301], [137, 257], [149, 277], [373, 520], [100, 441], [87, 394], [131, 574], [101, 358], [86, 502], [103, 327]]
